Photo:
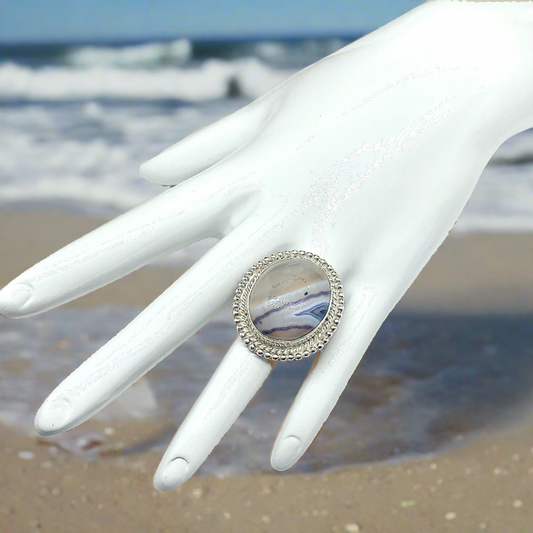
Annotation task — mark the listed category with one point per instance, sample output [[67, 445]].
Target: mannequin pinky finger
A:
[[365, 310], [235, 382]]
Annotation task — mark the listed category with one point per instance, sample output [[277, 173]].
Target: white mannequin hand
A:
[[367, 158]]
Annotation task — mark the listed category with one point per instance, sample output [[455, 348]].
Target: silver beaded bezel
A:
[[279, 350]]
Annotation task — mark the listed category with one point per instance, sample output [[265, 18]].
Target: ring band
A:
[[288, 305]]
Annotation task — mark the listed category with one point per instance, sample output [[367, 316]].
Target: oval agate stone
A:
[[290, 299]]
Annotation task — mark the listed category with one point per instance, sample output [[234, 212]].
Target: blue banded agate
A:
[[290, 299]]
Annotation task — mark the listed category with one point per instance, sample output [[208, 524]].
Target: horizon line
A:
[[350, 34]]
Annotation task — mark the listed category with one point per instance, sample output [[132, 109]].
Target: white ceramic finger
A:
[[318, 395], [207, 206], [235, 382], [194, 299], [205, 147]]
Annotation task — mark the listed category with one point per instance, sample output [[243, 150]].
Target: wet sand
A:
[[478, 484]]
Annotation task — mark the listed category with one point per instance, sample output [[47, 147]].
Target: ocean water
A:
[[424, 383], [76, 120]]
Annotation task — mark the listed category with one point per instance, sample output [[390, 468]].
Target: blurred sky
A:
[[73, 20]]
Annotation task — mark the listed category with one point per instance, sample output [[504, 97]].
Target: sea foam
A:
[[85, 156], [211, 79], [140, 55]]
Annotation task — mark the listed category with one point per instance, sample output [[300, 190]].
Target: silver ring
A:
[[288, 305]]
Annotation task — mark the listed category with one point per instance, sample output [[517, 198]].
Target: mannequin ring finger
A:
[[288, 305]]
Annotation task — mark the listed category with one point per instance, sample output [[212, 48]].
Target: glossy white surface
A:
[[366, 158]]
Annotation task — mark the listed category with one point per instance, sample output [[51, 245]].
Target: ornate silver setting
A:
[[286, 350]]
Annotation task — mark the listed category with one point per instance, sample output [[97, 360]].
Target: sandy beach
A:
[[482, 482], [485, 485]]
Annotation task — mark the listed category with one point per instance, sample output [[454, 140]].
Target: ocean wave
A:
[[212, 79], [292, 52], [297, 52], [418, 374], [518, 150], [141, 55], [85, 156]]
